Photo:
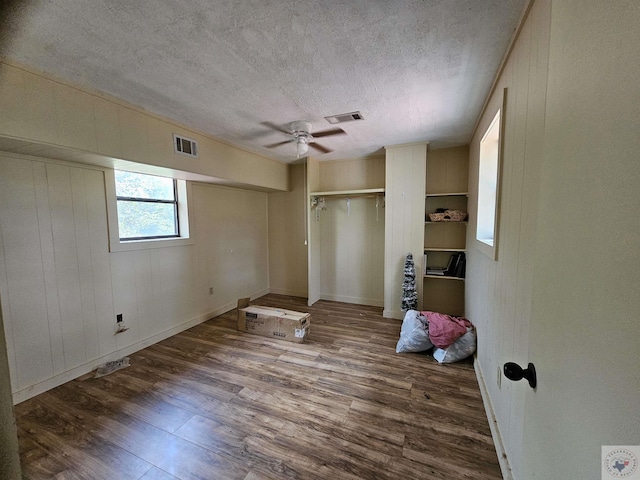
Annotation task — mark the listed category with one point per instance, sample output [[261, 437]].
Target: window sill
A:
[[117, 245], [486, 241], [490, 250], [131, 245]]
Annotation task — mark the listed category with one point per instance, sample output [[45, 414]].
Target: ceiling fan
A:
[[300, 133]]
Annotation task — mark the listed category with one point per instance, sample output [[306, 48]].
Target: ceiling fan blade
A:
[[320, 147], [327, 133], [274, 145], [276, 127]]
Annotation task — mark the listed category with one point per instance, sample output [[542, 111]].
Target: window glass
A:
[[488, 184], [147, 206], [138, 185], [146, 220]]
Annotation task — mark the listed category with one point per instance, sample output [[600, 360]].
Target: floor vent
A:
[[185, 146], [344, 117]]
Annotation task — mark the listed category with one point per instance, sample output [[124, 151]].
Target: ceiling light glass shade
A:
[[301, 147]]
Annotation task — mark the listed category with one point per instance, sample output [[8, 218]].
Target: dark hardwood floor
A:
[[215, 403]]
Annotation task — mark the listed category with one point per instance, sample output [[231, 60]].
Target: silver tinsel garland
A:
[[409, 293]]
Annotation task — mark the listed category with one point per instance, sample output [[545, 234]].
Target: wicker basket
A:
[[448, 216]]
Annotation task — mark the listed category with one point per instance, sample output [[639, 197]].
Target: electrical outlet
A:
[[119, 318], [210, 290], [499, 377]]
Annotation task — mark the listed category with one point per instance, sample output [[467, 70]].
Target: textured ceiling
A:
[[417, 69]]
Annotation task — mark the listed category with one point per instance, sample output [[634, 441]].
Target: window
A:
[[147, 206], [488, 180], [146, 211], [488, 186]]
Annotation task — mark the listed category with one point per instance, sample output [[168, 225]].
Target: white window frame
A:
[[488, 209], [183, 189]]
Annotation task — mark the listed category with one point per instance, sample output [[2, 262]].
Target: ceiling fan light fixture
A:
[[301, 146], [300, 134]]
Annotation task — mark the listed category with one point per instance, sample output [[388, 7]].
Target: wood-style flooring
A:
[[215, 403]]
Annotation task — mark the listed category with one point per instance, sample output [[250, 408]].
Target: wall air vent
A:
[[344, 117], [185, 146]]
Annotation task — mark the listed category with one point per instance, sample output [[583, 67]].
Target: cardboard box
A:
[[273, 322]]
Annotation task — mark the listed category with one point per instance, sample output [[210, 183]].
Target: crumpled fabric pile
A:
[[452, 338]]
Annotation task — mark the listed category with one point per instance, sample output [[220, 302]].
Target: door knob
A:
[[515, 372]]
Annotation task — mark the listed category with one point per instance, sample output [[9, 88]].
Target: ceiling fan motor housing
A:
[[301, 129]]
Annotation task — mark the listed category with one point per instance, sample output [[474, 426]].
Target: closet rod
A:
[[337, 197], [369, 192]]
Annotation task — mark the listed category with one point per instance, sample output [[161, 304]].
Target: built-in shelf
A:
[[428, 222], [453, 194], [443, 277], [427, 249], [347, 193], [447, 188]]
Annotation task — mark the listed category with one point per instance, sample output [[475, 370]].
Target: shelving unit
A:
[[446, 187]]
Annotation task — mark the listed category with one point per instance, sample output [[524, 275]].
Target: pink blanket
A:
[[445, 329]]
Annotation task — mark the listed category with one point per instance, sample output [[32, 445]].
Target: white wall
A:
[[313, 229], [61, 288], [498, 293], [352, 174], [9, 458], [352, 239], [405, 175], [584, 330], [288, 267], [345, 251], [563, 291], [94, 128], [352, 251]]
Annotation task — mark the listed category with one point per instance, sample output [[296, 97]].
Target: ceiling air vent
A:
[[344, 117], [185, 146]]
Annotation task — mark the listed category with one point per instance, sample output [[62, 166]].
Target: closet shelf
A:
[[429, 222], [454, 194], [428, 249], [444, 277], [349, 193]]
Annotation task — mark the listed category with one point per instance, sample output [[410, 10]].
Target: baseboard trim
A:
[[397, 314], [503, 460], [290, 293], [57, 380], [253, 296], [353, 300]]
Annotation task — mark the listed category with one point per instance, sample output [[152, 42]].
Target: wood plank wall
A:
[[404, 219], [352, 238], [288, 263], [499, 292], [62, 288], [43, 110]]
